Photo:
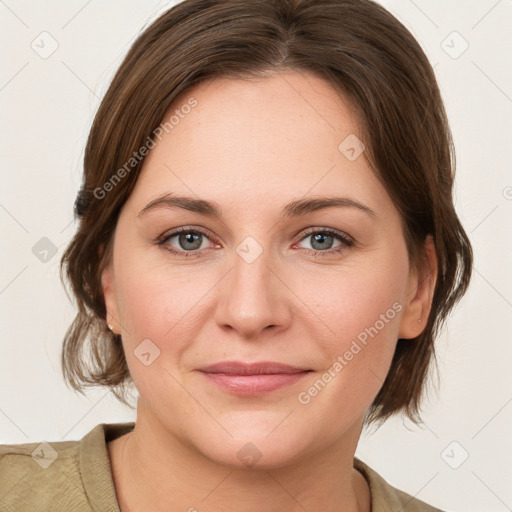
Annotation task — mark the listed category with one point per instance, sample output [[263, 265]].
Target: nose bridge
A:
[[252, 297]]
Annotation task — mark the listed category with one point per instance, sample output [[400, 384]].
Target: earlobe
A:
[[109, 296], [420, 294]]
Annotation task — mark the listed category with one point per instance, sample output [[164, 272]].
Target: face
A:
[[254, 268]]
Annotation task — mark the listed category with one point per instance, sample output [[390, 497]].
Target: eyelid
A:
[[186, 229], [340, 234]]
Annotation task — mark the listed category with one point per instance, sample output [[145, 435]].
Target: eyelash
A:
[[345, 240]]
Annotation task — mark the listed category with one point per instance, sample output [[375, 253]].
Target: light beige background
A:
[[47, 106]]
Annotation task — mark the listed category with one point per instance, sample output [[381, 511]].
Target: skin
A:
[[253, 147]]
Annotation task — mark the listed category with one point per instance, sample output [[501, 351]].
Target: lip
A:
[[251, 379]]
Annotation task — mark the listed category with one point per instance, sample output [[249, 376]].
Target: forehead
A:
[[256, 139]]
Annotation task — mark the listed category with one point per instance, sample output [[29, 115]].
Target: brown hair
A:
[[360, 49]]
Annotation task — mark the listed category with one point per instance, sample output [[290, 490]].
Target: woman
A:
[[267, 248]]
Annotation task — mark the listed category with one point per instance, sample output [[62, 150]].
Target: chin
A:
[[255, 449]]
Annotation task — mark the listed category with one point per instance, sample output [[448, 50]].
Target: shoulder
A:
[[33, 475], [386, 497], [57, 476]]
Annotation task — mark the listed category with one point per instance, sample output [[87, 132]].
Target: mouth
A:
[[254, 378]]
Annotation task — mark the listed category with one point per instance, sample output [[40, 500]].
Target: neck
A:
[[154, 470]]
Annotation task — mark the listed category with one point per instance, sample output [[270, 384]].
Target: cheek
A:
[[358, 314], [158, 310], [161, 303], [353, 302]]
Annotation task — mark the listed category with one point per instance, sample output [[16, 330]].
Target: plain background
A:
[[48, 103]]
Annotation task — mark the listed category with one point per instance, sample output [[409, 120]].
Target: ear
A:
[[420, 292], [109, 296]]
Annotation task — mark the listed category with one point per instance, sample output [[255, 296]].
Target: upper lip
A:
[[258, 368]]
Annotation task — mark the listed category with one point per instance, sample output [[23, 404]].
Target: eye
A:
[[185, 241], [323, 240]]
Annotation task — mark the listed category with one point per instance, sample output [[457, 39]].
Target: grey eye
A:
[[189, 241], [321, 241]]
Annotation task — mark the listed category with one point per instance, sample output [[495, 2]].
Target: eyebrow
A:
[[293, 209]]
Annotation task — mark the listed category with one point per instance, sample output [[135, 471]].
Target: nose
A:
[[254, 298]]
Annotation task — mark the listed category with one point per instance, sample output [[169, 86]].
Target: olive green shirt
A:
[[75, 476]]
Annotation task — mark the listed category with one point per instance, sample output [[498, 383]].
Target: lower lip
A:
[[251, 385]]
